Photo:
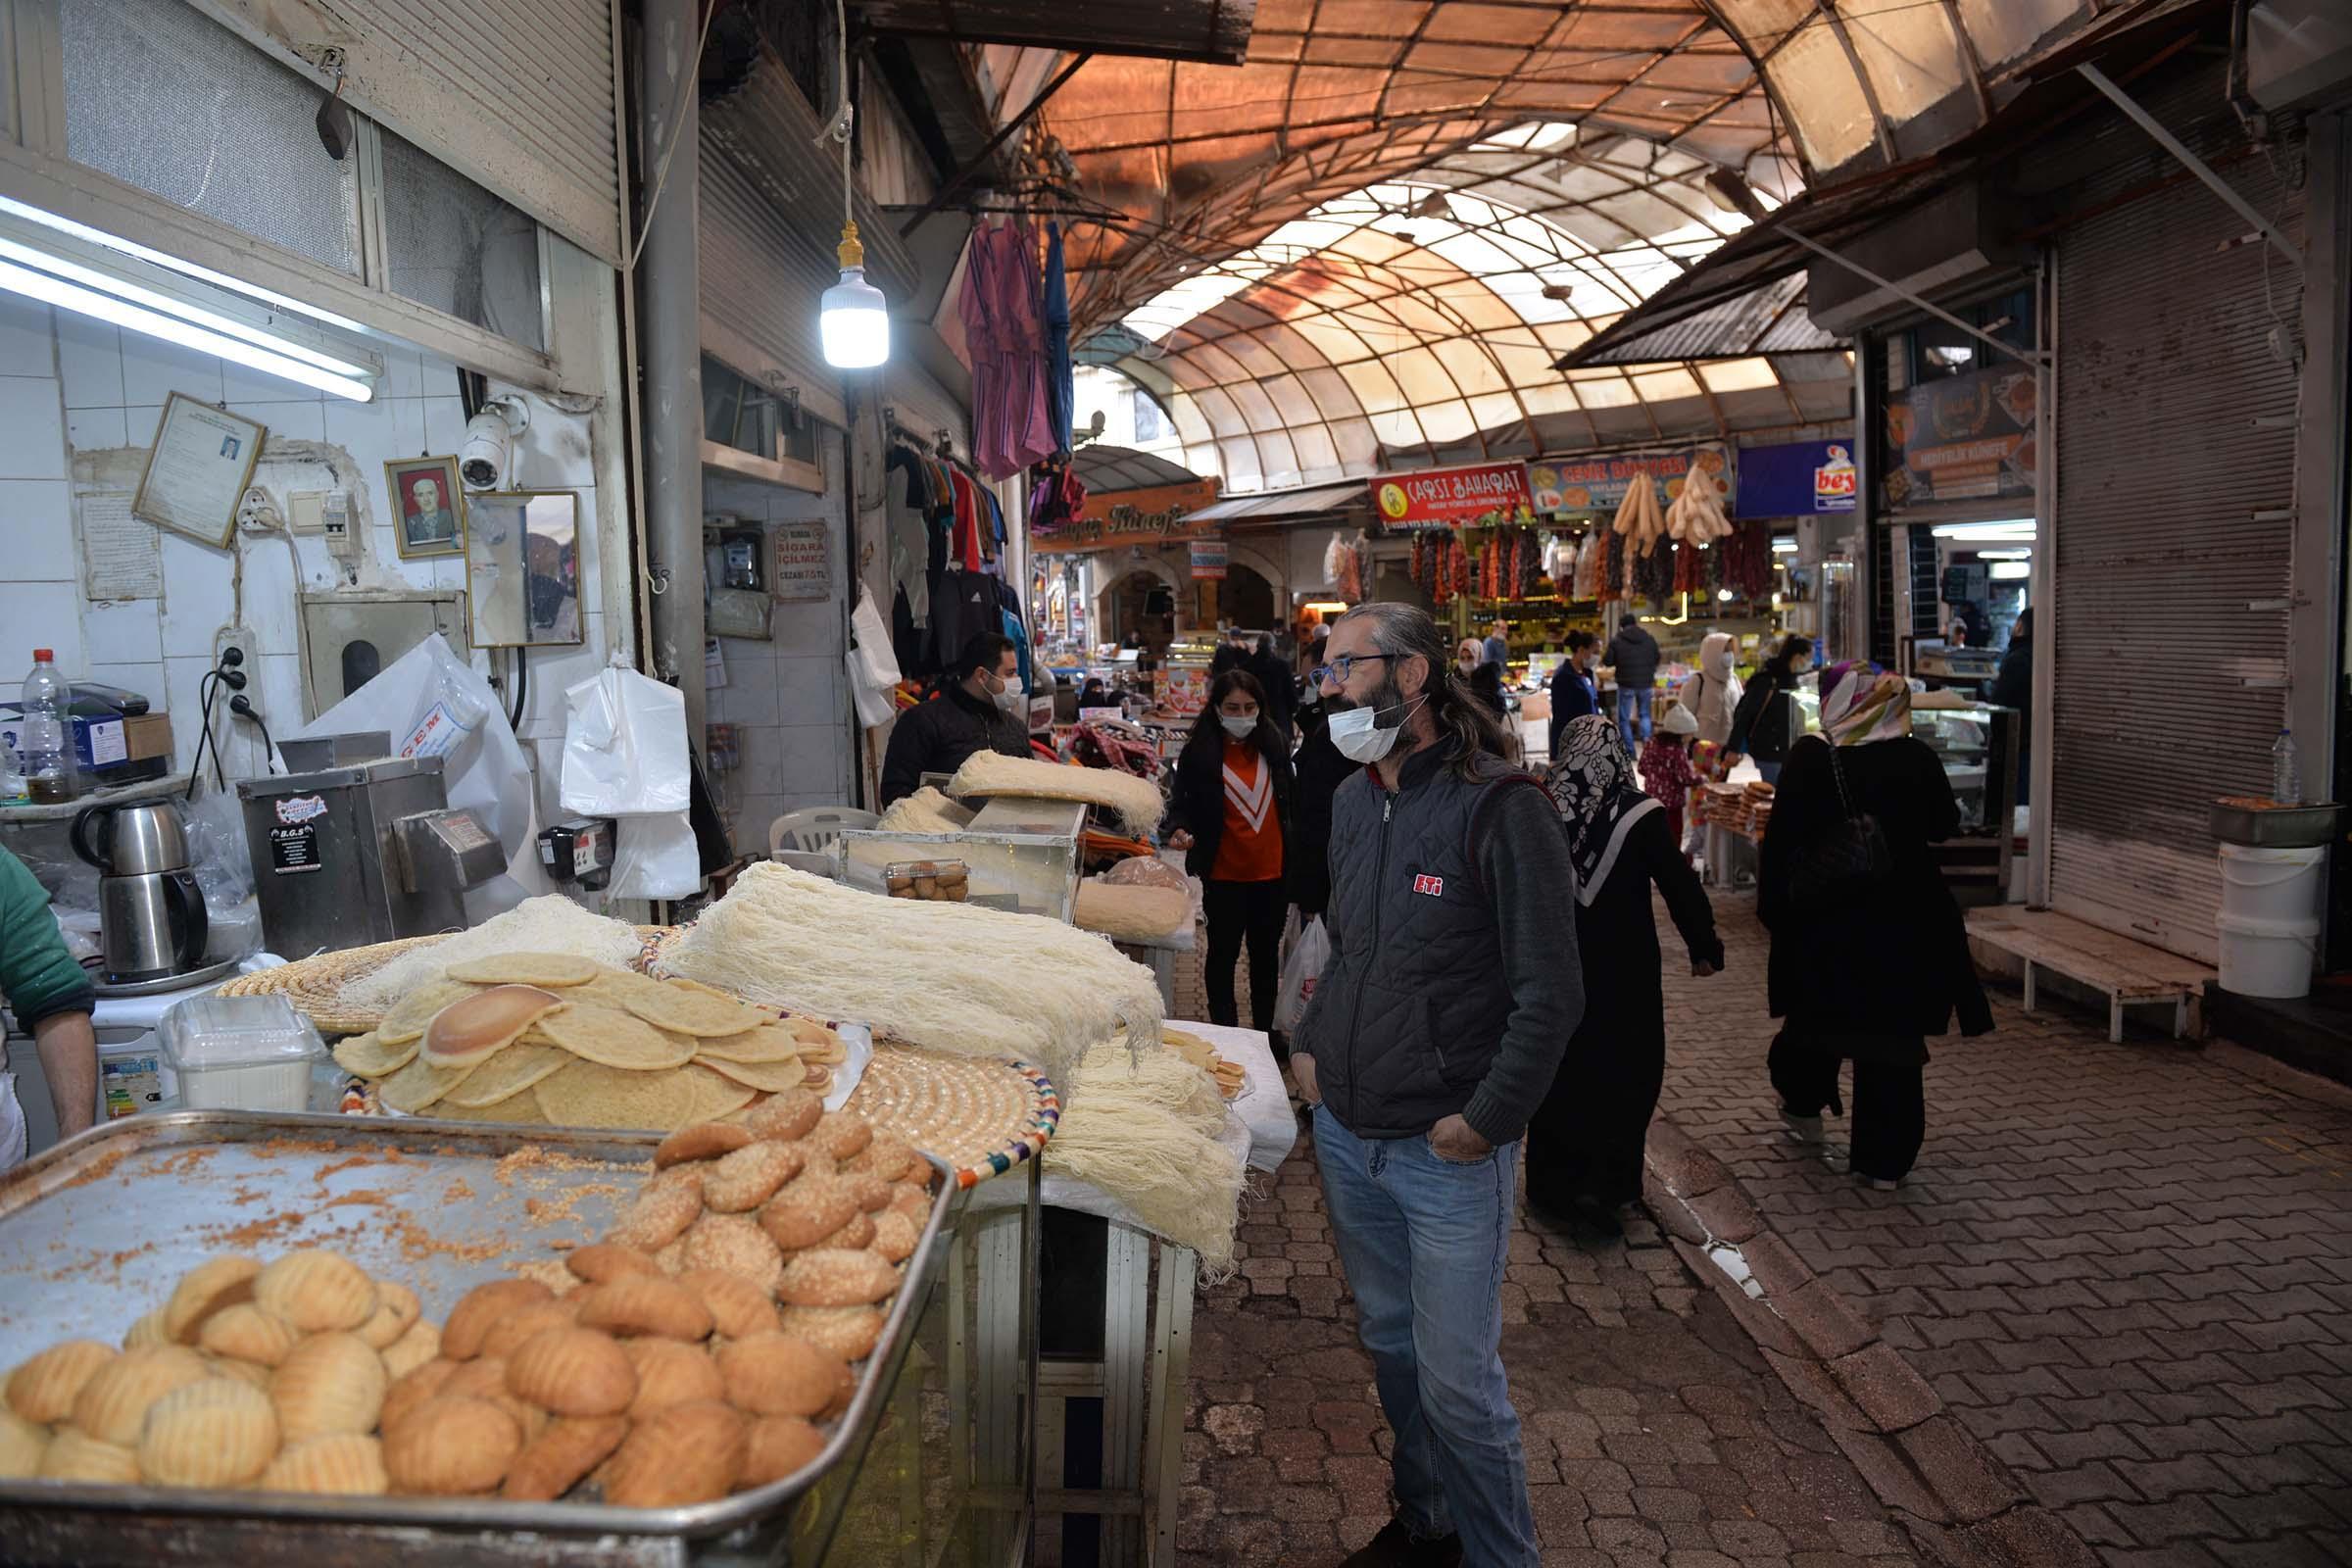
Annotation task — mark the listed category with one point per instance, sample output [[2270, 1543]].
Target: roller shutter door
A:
[[762, 284], [2174, 566]]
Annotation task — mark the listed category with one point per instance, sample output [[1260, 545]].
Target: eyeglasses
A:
[[1340, 668]]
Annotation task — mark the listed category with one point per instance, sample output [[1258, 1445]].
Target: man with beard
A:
[[1434, 1034]]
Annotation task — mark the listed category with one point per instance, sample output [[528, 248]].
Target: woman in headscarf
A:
[[1584, 1159], [1869, 953]]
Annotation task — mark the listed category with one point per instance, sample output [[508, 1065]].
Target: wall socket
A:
[[244, 641]]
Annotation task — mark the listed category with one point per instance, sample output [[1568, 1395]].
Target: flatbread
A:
[[368, 1056], [526, 970], [515, 1111], [588, 1094], [419, 1084], [409, 1017], [612, 988], [772, 1077], [507, 1074], [699, 1010], [615, 1039], [768, 1043], [715, 1096]]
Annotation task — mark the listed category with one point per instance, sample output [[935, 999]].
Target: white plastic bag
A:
[[485, 769], [1302, 972], [872, 663], [625, 757]]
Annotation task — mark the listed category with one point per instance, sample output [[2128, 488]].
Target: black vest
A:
[[1410, 1012]]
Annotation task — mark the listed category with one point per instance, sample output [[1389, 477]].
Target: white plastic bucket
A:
[[2267, 957], [2271, 883]]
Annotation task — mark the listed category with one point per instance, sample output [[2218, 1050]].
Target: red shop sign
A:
[[1451, 497]]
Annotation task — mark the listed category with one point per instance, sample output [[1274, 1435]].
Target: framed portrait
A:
[[522, 568], [198, 470], [428, 516]]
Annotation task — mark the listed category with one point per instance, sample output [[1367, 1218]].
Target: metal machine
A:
[[359, 854]]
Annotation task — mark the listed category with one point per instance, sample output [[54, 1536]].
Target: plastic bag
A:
[[1300, 973], [625, 757], [873, 666], [1148, 872], [216, 854], [485, 769]]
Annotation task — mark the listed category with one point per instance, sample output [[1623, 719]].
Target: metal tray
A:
[[2282, 827], [94, 1232]]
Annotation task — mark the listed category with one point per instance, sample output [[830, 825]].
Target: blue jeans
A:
[[1633, 712], [1424, 1241], [1771, 772]]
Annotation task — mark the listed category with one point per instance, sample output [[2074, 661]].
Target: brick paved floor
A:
[[1655, 1433], [2126, 1268]]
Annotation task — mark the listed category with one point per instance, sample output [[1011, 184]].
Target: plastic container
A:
[[2286, 777], [2271, 883], [2267, 957], [42, 750], [240, 1054]]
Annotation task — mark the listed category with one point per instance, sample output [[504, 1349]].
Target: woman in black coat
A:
[[1230, 811], [1584, 1159], [1760, 723], [1864, 970]]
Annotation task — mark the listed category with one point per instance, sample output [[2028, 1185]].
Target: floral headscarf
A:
[[1862, 705], [1593, 784]]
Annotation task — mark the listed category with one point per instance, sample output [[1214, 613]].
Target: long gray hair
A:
[[1401, 631]]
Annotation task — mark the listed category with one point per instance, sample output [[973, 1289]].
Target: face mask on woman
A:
[[1239, 727], [1468, 666]]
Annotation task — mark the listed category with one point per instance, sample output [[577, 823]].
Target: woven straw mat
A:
[[982, 1115], [315, 985]]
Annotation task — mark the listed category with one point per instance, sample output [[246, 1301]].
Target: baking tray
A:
[[94, 1232], [2278, 827]]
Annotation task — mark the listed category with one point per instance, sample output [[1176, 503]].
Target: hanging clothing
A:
[[965, 549], [979, 308], [1031, 411], [1061, 386]]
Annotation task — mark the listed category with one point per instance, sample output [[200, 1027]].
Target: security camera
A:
[[486, 458]]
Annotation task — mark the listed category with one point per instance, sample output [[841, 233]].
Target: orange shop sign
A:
[[1160, 514], [1451, 498]]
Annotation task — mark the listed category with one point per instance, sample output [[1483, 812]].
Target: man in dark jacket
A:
[[1321, 771], [1273, 673], [1634, 654], [1573, 694], [1434, 1034], [2013, 687], [981, 706]]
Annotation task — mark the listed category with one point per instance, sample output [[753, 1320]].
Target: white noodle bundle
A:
[[1145, 1131], [950, 977], [1131, 913], [1137, 800], [926, 810], [548, 923]]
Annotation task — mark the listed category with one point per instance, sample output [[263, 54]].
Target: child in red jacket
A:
[[1666, 767]]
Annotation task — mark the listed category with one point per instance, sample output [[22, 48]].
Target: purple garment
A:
[[979, 308], [1030, 409]]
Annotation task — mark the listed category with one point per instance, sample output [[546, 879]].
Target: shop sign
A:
[[804, 563], [1798, 479], [1208, 560], [1158, 514], [1450, 498], [1962, 438], [1601, 483]]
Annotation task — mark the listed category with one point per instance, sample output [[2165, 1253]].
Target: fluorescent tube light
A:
[[51, 289], [1783, 547], [2011, 571], [2015, 529]]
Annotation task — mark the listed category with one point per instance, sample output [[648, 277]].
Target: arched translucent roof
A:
[[1420, 318]]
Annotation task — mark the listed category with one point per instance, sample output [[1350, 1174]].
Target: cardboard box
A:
[[148, 736]]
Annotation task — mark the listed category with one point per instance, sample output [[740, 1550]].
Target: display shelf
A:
[[153, 789]]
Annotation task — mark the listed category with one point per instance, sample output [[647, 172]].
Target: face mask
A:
[[1238, 728], [1356, 734], [1801, 666], [1466, 665], [1012, 702]]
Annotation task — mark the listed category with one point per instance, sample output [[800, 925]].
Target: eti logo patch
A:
[[1432, 886]]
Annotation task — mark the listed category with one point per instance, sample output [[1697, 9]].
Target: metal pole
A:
[[1900, 292], [2192, 162], [669, 279], [963, 175]]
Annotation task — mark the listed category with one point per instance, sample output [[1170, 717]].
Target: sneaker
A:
[[1397, 1546], [1802, 1129], [1880, 1184]]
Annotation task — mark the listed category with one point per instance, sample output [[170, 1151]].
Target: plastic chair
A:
[[815, 829]]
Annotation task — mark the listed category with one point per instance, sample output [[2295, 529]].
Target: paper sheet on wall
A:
[[121, 556]]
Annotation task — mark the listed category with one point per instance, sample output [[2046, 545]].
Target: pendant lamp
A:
[[855, 318]]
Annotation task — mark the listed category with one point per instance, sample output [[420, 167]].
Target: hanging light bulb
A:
[[853, 317], [856, 319]]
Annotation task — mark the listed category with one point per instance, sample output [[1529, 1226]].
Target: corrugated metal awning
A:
[[1108, 470], [1213, 31], [1768, 319], [1277, 505]]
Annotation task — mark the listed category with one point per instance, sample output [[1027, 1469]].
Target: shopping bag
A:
[[1300, 974]]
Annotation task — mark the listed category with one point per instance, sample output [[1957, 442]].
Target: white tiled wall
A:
[[73, 387], [789, 698]]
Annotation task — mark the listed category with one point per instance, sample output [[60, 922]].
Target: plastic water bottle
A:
[[2287, 778], [12, 774], [41, 745]]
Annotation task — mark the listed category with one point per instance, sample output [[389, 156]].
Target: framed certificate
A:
[[198, 470]]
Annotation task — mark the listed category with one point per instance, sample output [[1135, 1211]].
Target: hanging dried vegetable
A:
[[1613, 583], [1748, 559], [1653, 573]]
